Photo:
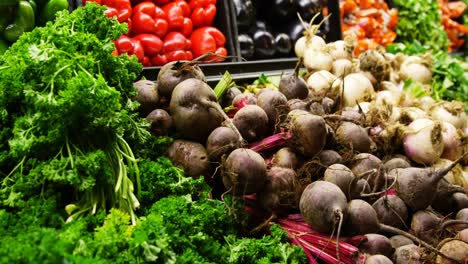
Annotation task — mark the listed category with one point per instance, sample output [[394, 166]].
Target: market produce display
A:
[[165, 31], [270, 29], [358, 155], [19, 16]]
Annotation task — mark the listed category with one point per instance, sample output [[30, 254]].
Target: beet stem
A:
[[452, 222], [397, 231], [440, 173], [378, 193], [272, 142]]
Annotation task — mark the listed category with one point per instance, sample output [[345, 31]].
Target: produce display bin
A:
[[240, 69]]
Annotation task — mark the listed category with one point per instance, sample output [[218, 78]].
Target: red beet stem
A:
[[318, 253], [272, 142]]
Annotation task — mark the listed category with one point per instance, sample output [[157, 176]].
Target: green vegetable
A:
[[24, 22], [50, 10], [3, 46], [66, 115], [421, 21]]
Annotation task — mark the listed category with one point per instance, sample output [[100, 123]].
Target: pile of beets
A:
[[351, 181]]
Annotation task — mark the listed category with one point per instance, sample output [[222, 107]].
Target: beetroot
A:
[[298, 104], [329, 157], [396, 162], [280, 192], [160, 121], [369, 167], [361, 218], [195, 110], [221, 142], [293, 86], [147, 96], [353, 136], [328, 105], [455, 248], [391, 210], [425, 224], [341, 176], [309, 133], [399, 241], [189, 156], [323, 206], [408, 254], [275, 105], [229, 96], [378, 259], [252, 122], [286, 158], [244, 172], [173, 73], [249, 98], [376, 244], [417, 187]]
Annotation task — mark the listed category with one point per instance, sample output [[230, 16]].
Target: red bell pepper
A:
[[203, 12], [149, 18], [177, 47], [178, 13], [151, 44], [159, 60], [208, 39], [130, 46], [122, 9]]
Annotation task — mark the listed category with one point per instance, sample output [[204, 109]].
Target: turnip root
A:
[[293, 86], [341, 67], [323, 206], [353, 136], [378, 259], [416, 68], [285, 158], [244, 172], [317, 60], [252, 122], [450, 112], [195, 110], [189, 156], [147, 95], [417, 187], [280, 192], [310, 41], [453, 147], [220, 142], [275, 105], [407, 254], [391, 210], [399, 241], [339, 49], [357, 88], [376, 244], [455, 248], [160, 121], [423, 141], [341, 176], [375, 63], [321, 82], [173, 73]]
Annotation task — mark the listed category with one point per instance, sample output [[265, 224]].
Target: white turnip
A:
[[423, 141], [357, 88]]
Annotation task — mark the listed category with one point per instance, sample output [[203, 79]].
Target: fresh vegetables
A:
[[166, 31], [372, 22]]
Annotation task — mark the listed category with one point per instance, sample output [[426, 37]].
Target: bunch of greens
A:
[[65, 115], [450, 72], [421, 21]]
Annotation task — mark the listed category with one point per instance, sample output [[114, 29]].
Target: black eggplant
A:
[[265, 46], [245, 12], [308, 8], [283, 44], [282, 9], [296, 30], [247, 46]]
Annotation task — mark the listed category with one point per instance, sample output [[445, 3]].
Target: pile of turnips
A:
[[342, 143]]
